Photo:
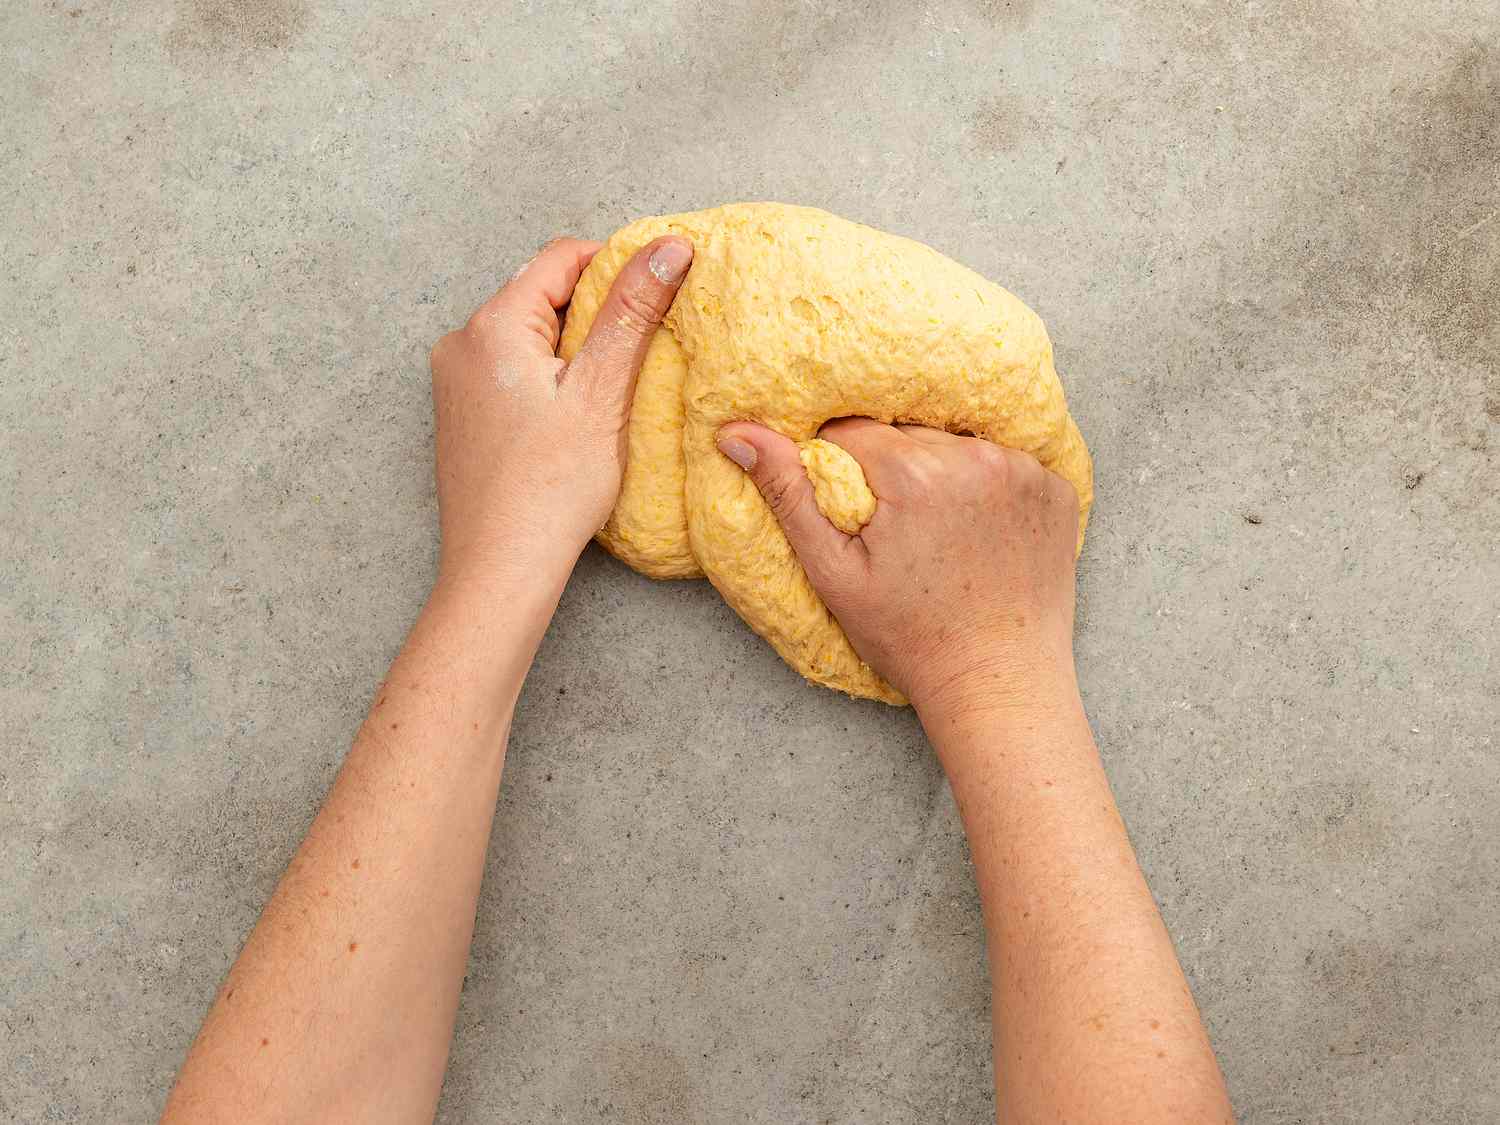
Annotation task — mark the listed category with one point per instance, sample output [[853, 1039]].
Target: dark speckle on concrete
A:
[[1007, 15], [219, 27], [643, 1083], [997, 126]]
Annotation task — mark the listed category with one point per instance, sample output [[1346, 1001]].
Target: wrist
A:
[[516, 594], [979, 738], [504, 607], [997, 694], [529, 557], [997, 674]]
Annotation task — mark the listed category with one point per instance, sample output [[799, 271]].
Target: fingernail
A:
[[742, 453], [670, 261]]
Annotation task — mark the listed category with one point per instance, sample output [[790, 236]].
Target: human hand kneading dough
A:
[[530, 449], [958, 590], [341, 1004], [960, 587]]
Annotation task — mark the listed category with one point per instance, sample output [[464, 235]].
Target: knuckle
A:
[[1026, 472], [482, 329], [1012, 469], [532, 257], [988, 464], [638, 312], [989, 455], [1062, 492], [782, 495], [437, 358]]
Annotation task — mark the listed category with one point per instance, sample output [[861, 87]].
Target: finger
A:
[[927, 435], [550, 275], [526, 306], [882, 451], [775, 465], [640, 296]]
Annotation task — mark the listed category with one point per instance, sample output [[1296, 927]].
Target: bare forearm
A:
[[342, 1002], [341, 1005], [1093, 1018]]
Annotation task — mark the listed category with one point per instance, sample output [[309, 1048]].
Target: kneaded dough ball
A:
[[791, 317]]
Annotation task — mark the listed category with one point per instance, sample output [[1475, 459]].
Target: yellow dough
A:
[[839, 486], [791, 317]]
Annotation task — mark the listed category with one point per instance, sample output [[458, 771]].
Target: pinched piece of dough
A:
[[791, 317], [839, 486]]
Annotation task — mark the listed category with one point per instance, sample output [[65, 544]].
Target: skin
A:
[[341, 1005], [960, 592]]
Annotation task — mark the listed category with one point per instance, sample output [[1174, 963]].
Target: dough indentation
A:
[[791, 317]]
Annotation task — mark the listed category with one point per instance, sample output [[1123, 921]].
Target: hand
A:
[[959, 591], [530, 450]]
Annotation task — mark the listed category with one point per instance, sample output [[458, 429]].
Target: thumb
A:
[[642, 292], [773, 463]]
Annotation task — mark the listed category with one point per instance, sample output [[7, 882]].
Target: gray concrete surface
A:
[[1265, 238]]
